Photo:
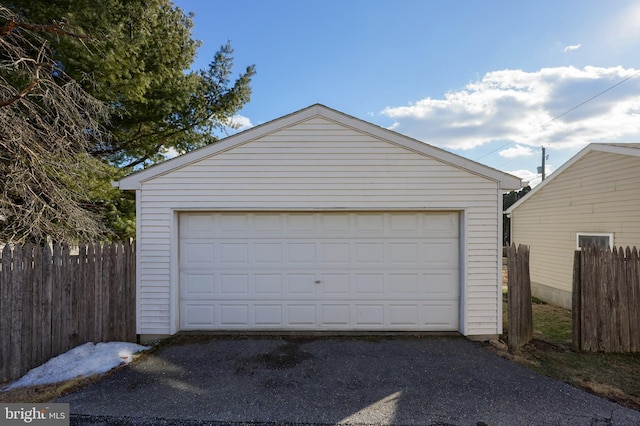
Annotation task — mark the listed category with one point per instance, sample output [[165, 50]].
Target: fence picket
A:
[[45, 303], [576, 305], [36, 291], [5, 312], [27, 306], [51, 300], [607, 306], [622, 319], [69, 266], [16, 315]]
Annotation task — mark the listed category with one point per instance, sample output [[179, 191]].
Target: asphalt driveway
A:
[[381, 381]]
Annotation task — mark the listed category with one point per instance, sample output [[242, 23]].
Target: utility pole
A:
[[543, 167]]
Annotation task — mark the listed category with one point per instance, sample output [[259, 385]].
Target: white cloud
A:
[[531, 177], [519, 106], [516, 151], [241, 122], [571, 47]]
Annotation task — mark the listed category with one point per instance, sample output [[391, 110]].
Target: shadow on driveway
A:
[[383, 381]]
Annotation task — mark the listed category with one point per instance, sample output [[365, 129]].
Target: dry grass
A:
[[612, 376]]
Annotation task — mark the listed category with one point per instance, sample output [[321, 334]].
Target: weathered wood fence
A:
[[606, 299], [52, 301], [519, 309]]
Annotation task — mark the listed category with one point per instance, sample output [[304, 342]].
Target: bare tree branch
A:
[[47, 124]]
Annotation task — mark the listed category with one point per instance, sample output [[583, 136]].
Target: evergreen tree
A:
[[135, 57], [138, 60]]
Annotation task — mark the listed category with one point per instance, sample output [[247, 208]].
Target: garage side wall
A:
[[318, 165], [597, 194]]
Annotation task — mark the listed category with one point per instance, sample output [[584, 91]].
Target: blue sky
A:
[[483, 79]]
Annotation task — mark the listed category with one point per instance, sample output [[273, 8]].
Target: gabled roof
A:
[[632, 149], [506, 181]]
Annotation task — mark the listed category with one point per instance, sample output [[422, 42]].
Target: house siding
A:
[[598, 193], [319, 164]]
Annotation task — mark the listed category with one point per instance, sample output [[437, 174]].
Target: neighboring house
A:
[[319, 221], [594, 197]]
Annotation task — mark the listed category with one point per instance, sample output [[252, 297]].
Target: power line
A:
[[565, 113], [591, 98]]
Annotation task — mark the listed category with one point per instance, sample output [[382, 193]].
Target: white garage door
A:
[[319, 271]]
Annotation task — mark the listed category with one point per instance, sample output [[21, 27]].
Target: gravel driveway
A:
[[381, 381]]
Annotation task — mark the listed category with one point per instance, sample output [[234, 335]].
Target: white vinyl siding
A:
[[319, 165], [597, 194]]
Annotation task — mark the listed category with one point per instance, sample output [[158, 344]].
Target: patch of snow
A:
[[81, 361]]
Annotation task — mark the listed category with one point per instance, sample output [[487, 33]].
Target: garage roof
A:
[[506, 181], [632, 149]]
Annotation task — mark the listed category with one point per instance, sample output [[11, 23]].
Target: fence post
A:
[[520, 321], [576, 299]]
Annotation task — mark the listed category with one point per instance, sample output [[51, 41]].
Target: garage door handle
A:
[[318, 281]]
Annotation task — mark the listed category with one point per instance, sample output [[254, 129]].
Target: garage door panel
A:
[[303, 314], [442, 225], [404, 314], [405, 224], [268, 254], [268, 315], [268, 284], [335, 253], [231, 224], [198, 315], [406, 254], [335, 315], [197, 286], [438, 286], [335, 223], [196, 254], [441, 254], [334, 284], [369, 315], [369, 252], [440, 316], [268, 223], [342, 271], [235, 285], [236, 254], [403, 285], [234, 315], [301, 224], [301, 254], [301, 284], [368, 284]]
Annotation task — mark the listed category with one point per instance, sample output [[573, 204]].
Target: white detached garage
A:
[[319, 221]]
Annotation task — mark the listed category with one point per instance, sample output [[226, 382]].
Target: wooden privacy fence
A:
[[606, 299], [52, 300], [519, 309]]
